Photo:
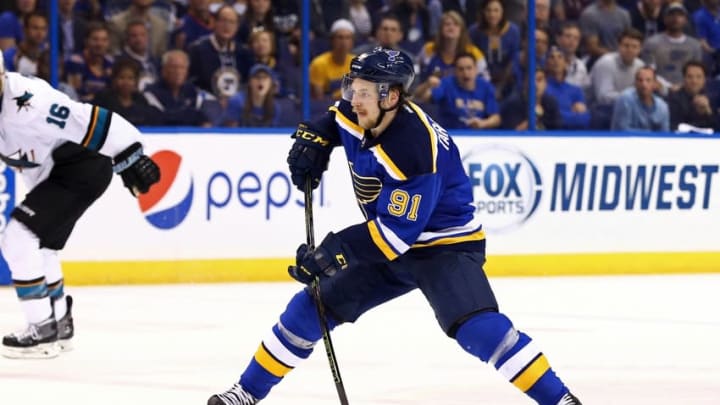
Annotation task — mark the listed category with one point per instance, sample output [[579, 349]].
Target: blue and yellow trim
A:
[[98, 128], [380, 242], [270, 363], [526, 378]]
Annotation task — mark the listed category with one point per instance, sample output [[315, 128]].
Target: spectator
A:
[[602, 22], [195, 24], [11, 23], [89, 72], [219, 64], [465, 99], [361, 19], [289, 66], [23, 58], [569, 97], [286, 14], [646, 17], [572, 9], [707, 29], [328, 68], [671, 49], [257, 106], [689, 104], [137, 48], [123, 97], [259, 16], [467, 8], [520, 65], [514, 110], [159, 28], [638, 108], [498, 39], [437, 57], [568, 40], [180, 102], [72, 27], [43, 72], [389, 34], [324, 13], [612, 74], [415, 19]]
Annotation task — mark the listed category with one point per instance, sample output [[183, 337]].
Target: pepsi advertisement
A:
[[229, 197]]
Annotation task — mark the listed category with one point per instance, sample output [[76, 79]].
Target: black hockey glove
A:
[[138, 171], [324, 261], [309, 155]]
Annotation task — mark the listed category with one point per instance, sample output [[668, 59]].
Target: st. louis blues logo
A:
[[392, 55]]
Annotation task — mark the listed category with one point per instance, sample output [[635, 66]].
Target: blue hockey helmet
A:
[[384, 66]]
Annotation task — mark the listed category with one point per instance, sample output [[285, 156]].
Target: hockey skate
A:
[[37, 341], [569, 399], [236, 395], [66, 328]]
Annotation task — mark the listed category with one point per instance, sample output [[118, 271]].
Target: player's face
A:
[[365, 102]]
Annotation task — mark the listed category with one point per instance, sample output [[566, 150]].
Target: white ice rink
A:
[[648, 340]]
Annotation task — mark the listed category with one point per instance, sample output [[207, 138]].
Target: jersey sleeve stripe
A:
[[347, 124], [97, 129], [380, 242], [475, 236], [431, 133], [395, 241], [388, 164], [470, 228]]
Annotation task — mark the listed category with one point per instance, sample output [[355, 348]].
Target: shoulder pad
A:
[[411, 148]]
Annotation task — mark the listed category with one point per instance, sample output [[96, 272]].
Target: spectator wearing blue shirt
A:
[[466, 100], [638, 108], [706, 21], [498, 39], [570, 98], [197, 23]]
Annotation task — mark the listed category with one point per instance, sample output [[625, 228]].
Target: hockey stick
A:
[[315, 288]]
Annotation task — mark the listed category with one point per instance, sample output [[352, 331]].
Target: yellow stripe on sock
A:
[[270, 363], [528, 377]]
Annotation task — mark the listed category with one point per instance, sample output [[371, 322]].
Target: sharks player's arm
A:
[[52, 116], [93, 127]]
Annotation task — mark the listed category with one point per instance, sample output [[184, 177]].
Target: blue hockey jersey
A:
[[409, 182]]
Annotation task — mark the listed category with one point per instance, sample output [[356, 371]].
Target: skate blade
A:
[[66, 345], [41, 351]]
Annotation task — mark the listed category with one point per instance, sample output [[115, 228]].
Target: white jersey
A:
[[35, 119]]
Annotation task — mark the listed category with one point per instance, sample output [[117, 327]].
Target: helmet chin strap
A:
[[385, 110]]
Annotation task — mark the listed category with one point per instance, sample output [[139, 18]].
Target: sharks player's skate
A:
[[66, 153], [421, 231]]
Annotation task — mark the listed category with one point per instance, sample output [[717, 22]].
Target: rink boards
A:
[[225, 209]]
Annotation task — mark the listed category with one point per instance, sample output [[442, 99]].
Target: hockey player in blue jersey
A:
[[420, 232]]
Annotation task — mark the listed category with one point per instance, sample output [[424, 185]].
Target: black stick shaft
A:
[[315, 288]]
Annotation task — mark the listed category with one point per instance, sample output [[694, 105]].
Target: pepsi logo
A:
[[168, 202]]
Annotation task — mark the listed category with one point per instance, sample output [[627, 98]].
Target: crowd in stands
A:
[[600, 64]]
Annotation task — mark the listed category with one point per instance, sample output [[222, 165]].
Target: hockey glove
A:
[[309, 155], [324, 261], [138, 171]]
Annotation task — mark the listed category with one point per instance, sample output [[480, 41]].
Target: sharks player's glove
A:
[[309, 155], [324, 261], [137, 170]]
